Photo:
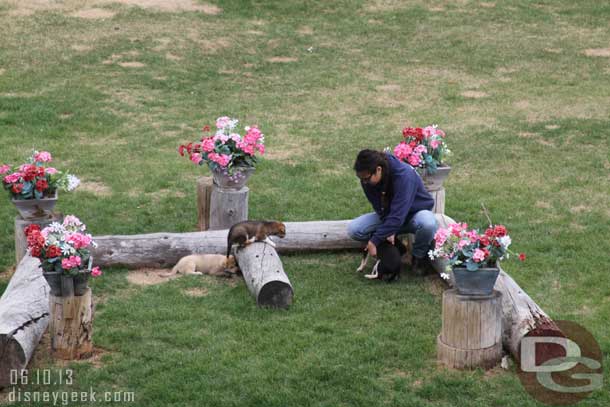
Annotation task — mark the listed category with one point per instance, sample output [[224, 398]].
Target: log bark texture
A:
[[227, 207], [165, 249], [71, 326], [204, 194], [24, 316], [264, 275], [471, 334]]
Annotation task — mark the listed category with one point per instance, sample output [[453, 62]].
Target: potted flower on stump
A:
[[425, 150], [65, 258], [33, 186], [230, 156], [472, 257]]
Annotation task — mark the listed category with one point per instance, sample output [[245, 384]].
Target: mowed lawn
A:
[[112, 88]]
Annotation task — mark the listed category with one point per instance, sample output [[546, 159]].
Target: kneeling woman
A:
[[402, 205]]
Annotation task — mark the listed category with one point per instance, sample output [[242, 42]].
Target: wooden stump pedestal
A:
[[227, 207], [71, 326], [439, 200], [471, 335]]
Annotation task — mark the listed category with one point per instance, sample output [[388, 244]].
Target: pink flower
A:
[[96, 272], [402, 150], [222, 137], [473, 236], [456, 228], [50, 170], [72, 220], [223, 160], [14, 177], [235, 137], [261, 148], [254, 133], [4, 169], [196, 158], [429, 131], [478, 256], [414, 160], [71, 262], [440, 237], [43, 156], [207, 145], [420, 149], [434, 144], [79, 240], [463, 243], [223, 122]]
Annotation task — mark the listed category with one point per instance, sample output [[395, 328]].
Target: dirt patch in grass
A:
[[552, 126], [305, 30], [94, 14], [2, 70], [598, 52], [132, 64], [146, 276], [196, 292], [213, 46], [388, 88], [542, 205], [96, 188], [488, 5], [580, 209], [172, 5], [474, 94], [282, 59]]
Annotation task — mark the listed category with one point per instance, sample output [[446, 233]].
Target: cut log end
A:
[[13, 358], [275, 294]]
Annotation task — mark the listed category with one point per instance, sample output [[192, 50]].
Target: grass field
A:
[[111, 88]]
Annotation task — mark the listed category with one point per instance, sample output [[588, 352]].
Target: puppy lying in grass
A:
[[200, 264]]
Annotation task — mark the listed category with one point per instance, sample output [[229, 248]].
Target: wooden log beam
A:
[[264, 275], [24, 316], [165, 249]]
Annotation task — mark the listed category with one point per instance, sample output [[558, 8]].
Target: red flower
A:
[[30, 173], [31, 228], [413, 131], [206, 128], [181, 150], [17, 188], [522, 256], [486, 252], [53, 251], [35, 239], [489, 232], [35, 251], [41, 185], [499, 231], [484, 240], [40, 171]]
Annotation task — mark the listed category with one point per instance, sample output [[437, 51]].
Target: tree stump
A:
[[204, 194], [264, 275], [21, 243], [227, 207], [471, 335], [439, 200], [71, 326]]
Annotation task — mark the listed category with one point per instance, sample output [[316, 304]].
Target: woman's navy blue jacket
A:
[[407, 197]]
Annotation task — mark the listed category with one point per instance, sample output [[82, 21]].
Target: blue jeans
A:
[[423, 225]]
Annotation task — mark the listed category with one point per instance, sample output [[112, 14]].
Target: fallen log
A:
[[24, 316], [264, 275], [165, 249], [520, 314]]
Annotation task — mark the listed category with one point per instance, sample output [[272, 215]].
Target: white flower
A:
[[505, 241], [73, 182], [445, 276]]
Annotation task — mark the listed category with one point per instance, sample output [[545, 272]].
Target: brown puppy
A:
[[245, 233], [200, 264]]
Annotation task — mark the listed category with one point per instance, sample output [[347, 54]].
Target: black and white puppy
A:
[[388, 265]]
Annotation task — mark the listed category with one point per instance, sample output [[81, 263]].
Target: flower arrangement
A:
[[36, 180], [62, 247], [423, 147], [226, 150], [469, 248]]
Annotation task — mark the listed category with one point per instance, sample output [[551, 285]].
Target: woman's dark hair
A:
[[369, 160]]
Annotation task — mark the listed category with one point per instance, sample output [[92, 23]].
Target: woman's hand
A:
[[371, 248], [391, 239]]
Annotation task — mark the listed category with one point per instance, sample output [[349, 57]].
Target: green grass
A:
[[525, 108]]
